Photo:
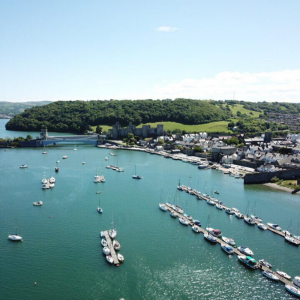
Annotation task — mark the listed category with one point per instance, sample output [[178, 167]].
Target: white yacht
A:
[[296, 281], [229, 211], [210, 237], [245, 250], [116, 245], [183, 221], [274, 226], [15, 238], [106, 251], [292, 240], [210, 202], [45, 186], [227, 249], [51, 185], [162, 207], [214, 232], [23, 166], [239, 215], [265, 263], [44, 181], [262, 226], [283, 274], [270, 275], [109, 259], [219, 206], [52, 180], [173, 214], [39, 203], [65, 157], [112, 233], [249, 220], [120, 257], [103, 242], [196, 229], [229, 241], [293, 290]]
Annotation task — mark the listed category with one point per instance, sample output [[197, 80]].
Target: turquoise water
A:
[[163, 259]]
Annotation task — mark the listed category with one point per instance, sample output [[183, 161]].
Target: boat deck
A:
[[236, 251], [111, 248]]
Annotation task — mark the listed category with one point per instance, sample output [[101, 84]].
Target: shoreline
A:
[[281, 188]]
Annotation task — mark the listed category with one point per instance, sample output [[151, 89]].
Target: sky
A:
[[118, 49]]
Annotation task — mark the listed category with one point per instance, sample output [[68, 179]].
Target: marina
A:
[[111, 248]]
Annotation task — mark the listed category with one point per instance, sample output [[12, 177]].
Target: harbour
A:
[[161, 259]]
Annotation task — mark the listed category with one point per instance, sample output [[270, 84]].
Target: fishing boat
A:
[[162, 207], [23, 166], [245, 250], [274, 226], [116, 245], [229, 241], [196, 229], [136, 176], [120, 257], [227, 249], [183, 221], [293, 290], [265, 263], [270, 275], [104, 242], [106, 251], [262, 226], [214, 232], [283, 274], [109, 259], [248, 261], [39, 203]]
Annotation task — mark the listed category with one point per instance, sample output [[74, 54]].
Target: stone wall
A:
[[267, 176]]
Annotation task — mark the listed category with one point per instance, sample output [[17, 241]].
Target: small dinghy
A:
[[229, 241], [270, 275], [284, 275], [106, 251], [183, 221], [109, 259], [195, 229], [120, 258], [227, 249], [116, 245], [245, 250], [265, 263], [104, 242]]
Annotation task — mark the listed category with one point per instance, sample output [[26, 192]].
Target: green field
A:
[[208, 127], [239, 107]]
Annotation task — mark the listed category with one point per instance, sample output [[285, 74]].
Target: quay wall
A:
[[266, 177]]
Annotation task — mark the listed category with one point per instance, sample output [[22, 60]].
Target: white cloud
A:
[[281, 86], [166, 29]]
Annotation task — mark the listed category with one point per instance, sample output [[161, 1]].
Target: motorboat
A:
[[99, 210], [203, 166], [39, 203], [210, 202], [229, 211], [229, 241], [183, 221], [106, 158], [103, 242], [44, 152], [51, 185], [178, 209], [173, 214], [262, 226], [188, 217], [120, 170], [112, 233], [239, 215], [293, 290], [249, 220], [235, 210], [162, 207], [52, 180], [23, 166], [102, 235], [45, 186], [137, 177], [44, 181], [227, 249], [219, 206], [106, 251], [292, 240], [210, 238], [296, 281], [284, 275], [15, 238], [245, 250], [197, 222], [120, 257], [265, 263], [274, 226], [248, 261], [196, 229], [285, 232], [109, 259], [270, 275], [65, 157], [216, 192], [214, 232], [83, 162], [116, 245], [256, 218], [112, 154]]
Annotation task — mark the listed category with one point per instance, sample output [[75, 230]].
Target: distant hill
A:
[[10, 109]]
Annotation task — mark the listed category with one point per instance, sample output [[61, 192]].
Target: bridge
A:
[[46, 139]]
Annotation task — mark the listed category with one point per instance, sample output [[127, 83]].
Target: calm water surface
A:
[[163, 259]]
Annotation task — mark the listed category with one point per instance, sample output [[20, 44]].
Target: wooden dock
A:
[[220, 241], [111, 248]]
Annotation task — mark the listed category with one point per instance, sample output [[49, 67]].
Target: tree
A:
[[28, 137], [198, 149], [99, 129], [161, 141]]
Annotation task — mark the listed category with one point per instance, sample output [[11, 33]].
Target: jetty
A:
[[111, 248], [220, 241]]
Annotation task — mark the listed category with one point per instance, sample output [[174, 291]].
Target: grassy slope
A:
[[239, 107]]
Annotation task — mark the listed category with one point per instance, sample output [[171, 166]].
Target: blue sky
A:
[[61, 50]]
